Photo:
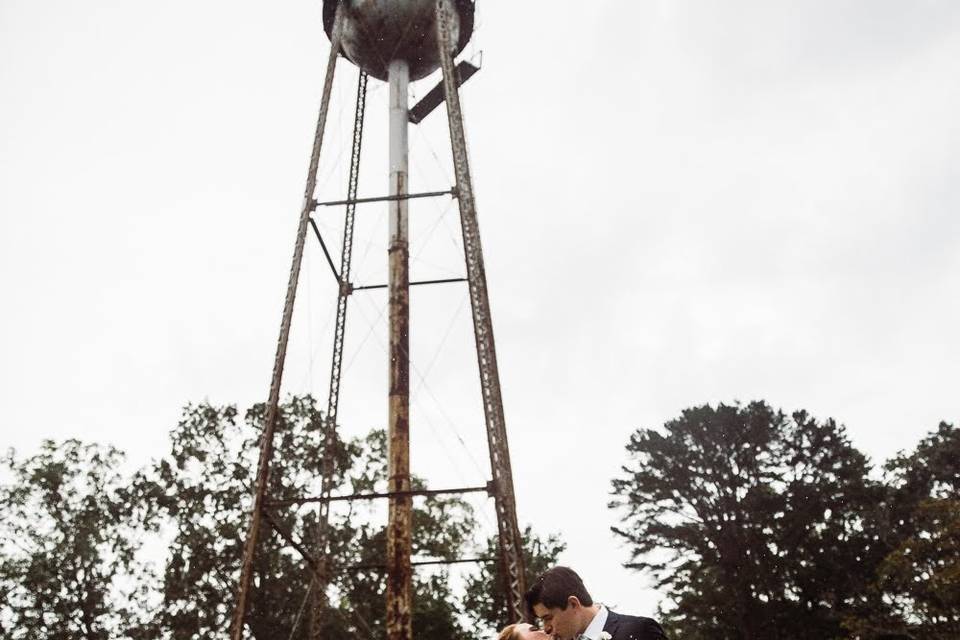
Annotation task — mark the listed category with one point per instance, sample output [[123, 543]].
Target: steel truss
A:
[[511, 547], [315, 552]]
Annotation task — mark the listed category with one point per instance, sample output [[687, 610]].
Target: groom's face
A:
[[560, 623]]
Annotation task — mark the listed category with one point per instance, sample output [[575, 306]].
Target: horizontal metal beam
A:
[[367, 287], [487, 488], [399, 196], [421, 563]]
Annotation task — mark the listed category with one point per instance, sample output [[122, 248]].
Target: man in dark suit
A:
[[567, 612]]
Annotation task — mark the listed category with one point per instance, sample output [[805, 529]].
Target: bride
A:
[[522, 631]]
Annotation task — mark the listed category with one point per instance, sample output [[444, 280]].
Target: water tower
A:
[[396, 41]]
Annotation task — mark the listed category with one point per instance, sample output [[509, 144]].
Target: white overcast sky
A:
[[681, 202]]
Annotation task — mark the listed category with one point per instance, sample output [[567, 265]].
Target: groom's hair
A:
[[554, 587]]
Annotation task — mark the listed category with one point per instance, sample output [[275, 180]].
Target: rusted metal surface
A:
[[346, 258], [270, 417], [399, 518], [432, 32], [377, 32], [509, 534], [321, 579]]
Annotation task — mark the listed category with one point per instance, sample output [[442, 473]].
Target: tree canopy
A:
[[755, 520], [765, 525], [485, 597], [69, 536], [74, 525], [204, 486], [916, 588], [756, 524]]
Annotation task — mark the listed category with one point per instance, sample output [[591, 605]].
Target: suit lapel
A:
[[613, 621]]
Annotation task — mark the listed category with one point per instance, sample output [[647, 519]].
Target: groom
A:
[[567, 612]]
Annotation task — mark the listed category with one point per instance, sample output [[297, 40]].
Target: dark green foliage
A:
[[917, 586], [757, 522], [485, 598], [72, 527], [69, 535], [205, 485], [932, 470], [919, 580]]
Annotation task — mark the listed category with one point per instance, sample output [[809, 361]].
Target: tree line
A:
[[762, 525], [73, 563], [754, 524]]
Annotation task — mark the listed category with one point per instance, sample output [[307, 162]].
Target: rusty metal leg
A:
[[511, 549], [320, 580], [399, 596], [270, 417]]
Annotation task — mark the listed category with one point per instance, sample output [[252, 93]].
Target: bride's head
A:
[[522, 631]]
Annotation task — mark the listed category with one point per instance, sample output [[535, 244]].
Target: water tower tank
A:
[[378, 31]]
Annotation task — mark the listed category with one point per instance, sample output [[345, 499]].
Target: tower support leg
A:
[[399, 597], [321, 577], [511, 549], [273, 400]]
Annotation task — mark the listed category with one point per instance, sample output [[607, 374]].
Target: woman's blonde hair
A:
[[510, 632]]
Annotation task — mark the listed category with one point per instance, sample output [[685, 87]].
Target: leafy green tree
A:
[[919, 581], [485, 599], [204, 486], [916, 589], [69, 537], [932, 470], [758, 522], [73, 525]]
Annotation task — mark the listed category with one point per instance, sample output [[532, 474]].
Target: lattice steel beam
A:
[[511, 549], [336, 367], [270, 417]]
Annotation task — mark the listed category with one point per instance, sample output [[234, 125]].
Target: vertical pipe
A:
[[399, 597]]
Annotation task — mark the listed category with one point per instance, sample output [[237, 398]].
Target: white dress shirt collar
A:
[[593, 630]]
